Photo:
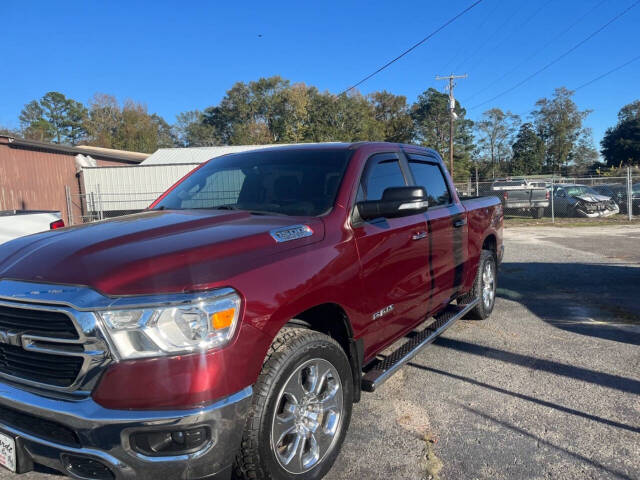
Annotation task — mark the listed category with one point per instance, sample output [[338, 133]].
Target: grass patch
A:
[[569, 222]]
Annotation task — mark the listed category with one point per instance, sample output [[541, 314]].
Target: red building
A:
[[37, 175]]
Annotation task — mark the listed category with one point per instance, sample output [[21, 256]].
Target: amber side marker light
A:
[[223, 319]]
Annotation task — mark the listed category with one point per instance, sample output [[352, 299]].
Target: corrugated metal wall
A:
[[34, 179], [130, 188]]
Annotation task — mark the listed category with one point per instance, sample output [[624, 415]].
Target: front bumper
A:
[[103, 435]]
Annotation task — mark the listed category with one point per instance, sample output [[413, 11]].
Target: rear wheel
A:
[[484, 287], [301, 409]]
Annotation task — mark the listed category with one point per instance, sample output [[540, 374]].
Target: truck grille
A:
[[37, 322], [58, 370], [32, 365]]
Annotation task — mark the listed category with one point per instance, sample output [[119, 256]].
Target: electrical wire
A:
[[413, 47], [557, 59], [528, 58], [613, 70]]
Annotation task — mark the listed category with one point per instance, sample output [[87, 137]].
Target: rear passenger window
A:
[[382, 174], [429, 176]]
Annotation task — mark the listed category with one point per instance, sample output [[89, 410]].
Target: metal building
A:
[[44, 176]]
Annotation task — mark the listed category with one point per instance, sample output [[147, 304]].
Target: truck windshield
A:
[[286, 182]]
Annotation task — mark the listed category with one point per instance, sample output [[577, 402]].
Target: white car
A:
[[17, 223]]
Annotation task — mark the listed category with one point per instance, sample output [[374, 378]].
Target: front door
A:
[[393, 254]]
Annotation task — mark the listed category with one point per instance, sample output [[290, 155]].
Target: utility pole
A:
[[452, 113]]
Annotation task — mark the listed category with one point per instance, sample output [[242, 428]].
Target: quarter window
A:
[[429, 175]]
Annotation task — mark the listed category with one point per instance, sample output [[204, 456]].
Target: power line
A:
[[518, 28], [528, 58], [436, 31], [557, 59], [599, 77]]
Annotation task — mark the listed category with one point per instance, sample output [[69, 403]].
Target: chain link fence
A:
[[561, 199]]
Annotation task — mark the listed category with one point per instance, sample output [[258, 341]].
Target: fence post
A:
[[553, 213], [99, 206], [629, 194], [67, 194], [477, 187]]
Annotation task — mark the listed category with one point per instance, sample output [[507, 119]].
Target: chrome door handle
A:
[[419, 236], [459, 223]]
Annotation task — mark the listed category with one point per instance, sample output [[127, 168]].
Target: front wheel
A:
[[301, 409], [484, 287]]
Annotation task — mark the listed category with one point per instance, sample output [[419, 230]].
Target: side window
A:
[[381, 174], [429, 176]]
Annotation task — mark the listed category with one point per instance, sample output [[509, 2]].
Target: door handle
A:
[[419, 236], [460, 223]]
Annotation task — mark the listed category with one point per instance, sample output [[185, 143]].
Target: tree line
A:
[[273, 110]]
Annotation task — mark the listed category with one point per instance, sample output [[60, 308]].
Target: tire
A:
[[484, 308], [287, 374], [537, 212]]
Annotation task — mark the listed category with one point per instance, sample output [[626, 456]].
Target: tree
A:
[[558, 123], [191, 131], [129, 127], [392, 113], [528, 152], [430, 115], [54, 117], [621, 143], [103, 120], [496, 130], [32, 123]]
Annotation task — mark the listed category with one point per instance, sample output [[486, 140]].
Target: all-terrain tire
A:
[[483, 308], [537, 212], [292, 349]]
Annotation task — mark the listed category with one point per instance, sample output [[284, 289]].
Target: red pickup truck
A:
[[231, 326]]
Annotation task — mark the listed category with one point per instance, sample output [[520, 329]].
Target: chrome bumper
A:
[[104, 434]]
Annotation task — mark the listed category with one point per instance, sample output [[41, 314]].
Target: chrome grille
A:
[[37, 322]]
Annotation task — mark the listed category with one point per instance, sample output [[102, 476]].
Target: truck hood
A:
[[591, 198], [154, 251]]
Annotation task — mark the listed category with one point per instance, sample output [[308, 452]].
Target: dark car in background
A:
[[618, 192], [573, 200]]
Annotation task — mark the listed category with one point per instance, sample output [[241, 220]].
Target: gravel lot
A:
[[548, 387]]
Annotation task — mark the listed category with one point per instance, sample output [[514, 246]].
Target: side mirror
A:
[[395, 202]]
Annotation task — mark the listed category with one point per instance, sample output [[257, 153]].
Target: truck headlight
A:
[[169, 330]]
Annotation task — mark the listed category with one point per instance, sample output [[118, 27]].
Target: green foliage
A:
[[54, 118], [528, 152], [621, 143], [558, 122], [430, 115], [496, 130]]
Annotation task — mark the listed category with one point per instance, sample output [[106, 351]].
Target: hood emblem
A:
[[292, 232]]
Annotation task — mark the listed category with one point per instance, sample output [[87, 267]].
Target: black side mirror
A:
[[395, 202]]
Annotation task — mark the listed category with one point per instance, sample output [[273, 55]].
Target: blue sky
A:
[[177, 56]]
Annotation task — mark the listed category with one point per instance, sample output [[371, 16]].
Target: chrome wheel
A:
[[488, 285], [308, 416]]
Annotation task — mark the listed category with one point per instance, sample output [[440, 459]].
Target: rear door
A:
[[393, 254], [447, 231]]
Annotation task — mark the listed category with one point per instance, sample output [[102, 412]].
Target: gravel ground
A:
[[548, 387]]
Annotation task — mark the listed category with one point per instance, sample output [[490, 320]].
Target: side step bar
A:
[[382, 369]]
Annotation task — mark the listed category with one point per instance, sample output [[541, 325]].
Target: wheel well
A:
[[332, 320], [490, 244]]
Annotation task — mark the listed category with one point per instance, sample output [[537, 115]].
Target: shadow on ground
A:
[[598, 300]]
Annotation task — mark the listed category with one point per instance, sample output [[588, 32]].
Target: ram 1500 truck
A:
[[232, 325]]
